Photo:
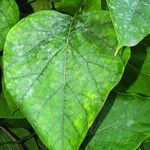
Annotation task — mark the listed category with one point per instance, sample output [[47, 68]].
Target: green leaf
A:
[[5, 111], [126, 125], [28, 139], [9, 15], [92, 5], [138, 66], [71, 6], [131, 20], [17, 123], [15, 111], [41, 5], [3, 142], [141, 85], [9, 138], [56, 66]]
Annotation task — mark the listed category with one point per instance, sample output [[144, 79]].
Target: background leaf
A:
[[5, 111], [136, 78], [41, 5], [9, 15], [16, 139], [126, 125], [71, 7]]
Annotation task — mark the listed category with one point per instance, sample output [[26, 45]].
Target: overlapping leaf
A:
[[126, 125], [59, 70], [9, 15], [131, 20]]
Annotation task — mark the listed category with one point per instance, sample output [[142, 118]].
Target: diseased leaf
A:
[[56, 72], [126, 125], [9, 15], [131, 20]]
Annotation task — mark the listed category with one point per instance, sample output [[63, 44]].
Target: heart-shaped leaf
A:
[[131, 20], [59, 70], [126, 125], [9, 15]]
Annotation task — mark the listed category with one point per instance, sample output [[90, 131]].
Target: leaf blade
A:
[[51, 66]]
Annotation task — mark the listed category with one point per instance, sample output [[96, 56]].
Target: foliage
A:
[[75, 75]]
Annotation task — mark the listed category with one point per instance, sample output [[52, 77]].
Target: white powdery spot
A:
[[130, 122], [29, 93], [133, 42], [48, 50], [18, 46]]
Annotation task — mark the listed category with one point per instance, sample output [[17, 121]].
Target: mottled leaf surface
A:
[[131, 20], [126, 125], [9, 15], [56, 66]]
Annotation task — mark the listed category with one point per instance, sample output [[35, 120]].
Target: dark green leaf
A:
[[13, 108], [71, 6], [136, 78], [41, 5], [16, 139], [5, 111]]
